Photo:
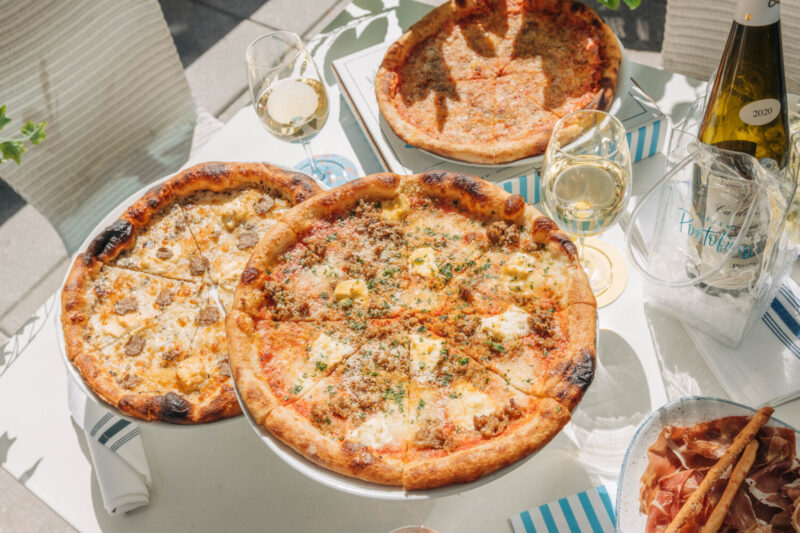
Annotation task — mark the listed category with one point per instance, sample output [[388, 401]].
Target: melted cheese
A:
[[507, 326], [379, 430], [234, 213], [519, 266], [355, 289], [328, 351], [470, 403], [191, 375], [421, 262], [425, 353], [395, 209]]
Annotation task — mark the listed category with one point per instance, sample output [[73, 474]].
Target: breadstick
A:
[[742, 439], [737, 477]]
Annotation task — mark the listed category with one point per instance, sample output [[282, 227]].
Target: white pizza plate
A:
[[682, 412], [72, 372], [623, 86]]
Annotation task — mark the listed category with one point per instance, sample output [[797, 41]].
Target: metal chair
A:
[[695, 34], [106, 77]]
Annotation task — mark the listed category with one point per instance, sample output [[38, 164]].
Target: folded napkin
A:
[[588, 511], [120, 464], [765, 369]]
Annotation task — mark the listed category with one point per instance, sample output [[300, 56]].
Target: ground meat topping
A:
[[135, 345], [502, 233], [171, 355], [544, 325], [164, 298], [100, 291], [430, 435], [247, 239], [207, 316], [126, 305], [263, 205], [361, 457], [197, 265], [129, 381], [466, 329], [164, 253], [495, 423]]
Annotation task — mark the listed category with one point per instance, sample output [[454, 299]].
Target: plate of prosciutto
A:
[[707, 464]]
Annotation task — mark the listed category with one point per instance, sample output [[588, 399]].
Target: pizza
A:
[[143, 307], [485, 81], [413, 331]]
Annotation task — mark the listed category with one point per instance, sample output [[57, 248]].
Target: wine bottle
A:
[[745, 112]]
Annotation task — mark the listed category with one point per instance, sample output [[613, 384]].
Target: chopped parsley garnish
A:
[[346, 302], [324, 295], [463, 360], [496, 346], [321, 366], [446, 271], [420, 405], [422, 329], [296, 389]]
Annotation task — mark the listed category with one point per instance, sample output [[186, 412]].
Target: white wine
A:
[[746, 112], [586, 195], [293, 110]]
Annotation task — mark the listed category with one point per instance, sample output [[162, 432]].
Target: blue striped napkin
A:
[[589, 511], [765, 369], [117, 453]]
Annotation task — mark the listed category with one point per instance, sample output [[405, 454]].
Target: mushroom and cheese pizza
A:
[[413, 331], [485, 81], [141, 320]]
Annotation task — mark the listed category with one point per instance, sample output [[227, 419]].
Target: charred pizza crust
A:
[[485, 81], [186, 378], [386, 200]]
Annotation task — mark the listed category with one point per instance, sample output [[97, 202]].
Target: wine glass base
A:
[[334, 169], [606, 269]]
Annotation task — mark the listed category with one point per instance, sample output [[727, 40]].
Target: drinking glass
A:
[[288, 93], [586, 184]]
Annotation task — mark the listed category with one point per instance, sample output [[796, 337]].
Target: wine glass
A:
[[586, 184], [289, 95]]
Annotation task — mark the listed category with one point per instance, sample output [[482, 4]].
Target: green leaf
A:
[[34, 132], [611, 4], [633, 4], [12, 150], [3, 118]]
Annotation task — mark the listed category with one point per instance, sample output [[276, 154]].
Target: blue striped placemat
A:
[[589, 511]]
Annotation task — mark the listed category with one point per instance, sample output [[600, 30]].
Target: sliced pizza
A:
[[353, 420], [464, 420]]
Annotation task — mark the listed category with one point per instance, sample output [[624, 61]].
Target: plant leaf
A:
[[633, 4], [611, 4], [34, 131], [12, 150], [3, 118]]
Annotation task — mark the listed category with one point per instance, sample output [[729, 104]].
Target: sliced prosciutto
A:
[[767, 501]]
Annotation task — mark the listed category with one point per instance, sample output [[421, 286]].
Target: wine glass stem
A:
[[579, 243], [313, 162]]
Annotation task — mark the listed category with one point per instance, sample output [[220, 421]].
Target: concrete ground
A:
[[207, 34]]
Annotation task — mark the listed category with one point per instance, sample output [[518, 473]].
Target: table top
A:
[[221, 476]]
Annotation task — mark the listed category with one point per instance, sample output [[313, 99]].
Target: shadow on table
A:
[[682, 369], [614, 406]]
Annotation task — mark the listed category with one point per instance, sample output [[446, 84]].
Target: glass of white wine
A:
[[288, 93], [586, 184]]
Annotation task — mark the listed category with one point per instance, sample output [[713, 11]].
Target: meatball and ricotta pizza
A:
[[413, 331], [485, 81], [141, 309]]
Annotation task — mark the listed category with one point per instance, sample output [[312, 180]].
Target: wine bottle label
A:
[[726, 207], [760, 112], [757, 12]]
